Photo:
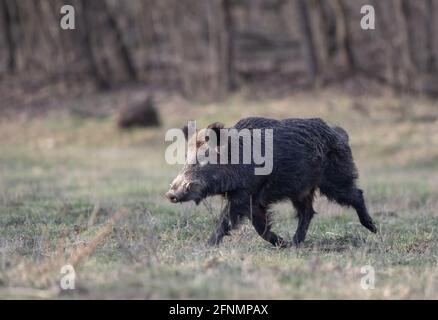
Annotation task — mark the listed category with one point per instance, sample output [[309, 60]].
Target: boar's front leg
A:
[[228, 220], [305, 214], [261, 222]]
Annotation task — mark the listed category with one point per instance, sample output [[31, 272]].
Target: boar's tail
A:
[[341, 133]]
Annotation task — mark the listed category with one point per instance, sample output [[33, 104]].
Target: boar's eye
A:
[[192, 165]]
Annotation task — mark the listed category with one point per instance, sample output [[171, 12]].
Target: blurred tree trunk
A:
[[343, 38], [9, 9], [206, 49], [100, 78], [124, 53], [431, 36], [230, 39], [308, 39], [404, 43]]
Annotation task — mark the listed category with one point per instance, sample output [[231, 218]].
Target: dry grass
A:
[[38, 280]]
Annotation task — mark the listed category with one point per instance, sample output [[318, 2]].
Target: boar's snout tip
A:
[[171, 196]]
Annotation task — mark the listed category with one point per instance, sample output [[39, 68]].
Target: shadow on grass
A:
[[334, 243]]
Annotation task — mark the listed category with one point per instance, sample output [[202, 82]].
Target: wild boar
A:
[[308, 155]]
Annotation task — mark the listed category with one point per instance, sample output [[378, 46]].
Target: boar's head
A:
[[199, 177]]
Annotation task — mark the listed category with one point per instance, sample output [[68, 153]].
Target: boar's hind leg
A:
[[357, 201], [305, 214], [228, 221], [353, 197], [260, 220]]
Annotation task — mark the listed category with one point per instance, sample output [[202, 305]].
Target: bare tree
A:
[[206, 49], [9, 10], [308, 39], [124, 52]]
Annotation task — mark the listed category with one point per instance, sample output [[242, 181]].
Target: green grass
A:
[[55, 171]]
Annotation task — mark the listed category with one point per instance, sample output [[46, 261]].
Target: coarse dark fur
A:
[[308, 155]]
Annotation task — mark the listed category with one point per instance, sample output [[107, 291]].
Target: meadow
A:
[[79, 191]]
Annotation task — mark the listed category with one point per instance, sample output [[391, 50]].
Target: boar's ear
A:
[[185, 130], [216, 127]]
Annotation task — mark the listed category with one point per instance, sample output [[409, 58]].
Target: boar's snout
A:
[[184, 188], [171, 195]]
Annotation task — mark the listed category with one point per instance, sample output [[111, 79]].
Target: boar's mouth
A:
[[186, 195], [172, 197], [180, 199], [175, 197]]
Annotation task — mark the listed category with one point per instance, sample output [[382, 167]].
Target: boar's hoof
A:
[[283, 244], [214, 240], [296, 243]]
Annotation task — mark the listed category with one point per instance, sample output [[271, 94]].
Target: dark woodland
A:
[[207, 49]]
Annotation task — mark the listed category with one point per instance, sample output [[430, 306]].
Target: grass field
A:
[[63, 177]]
